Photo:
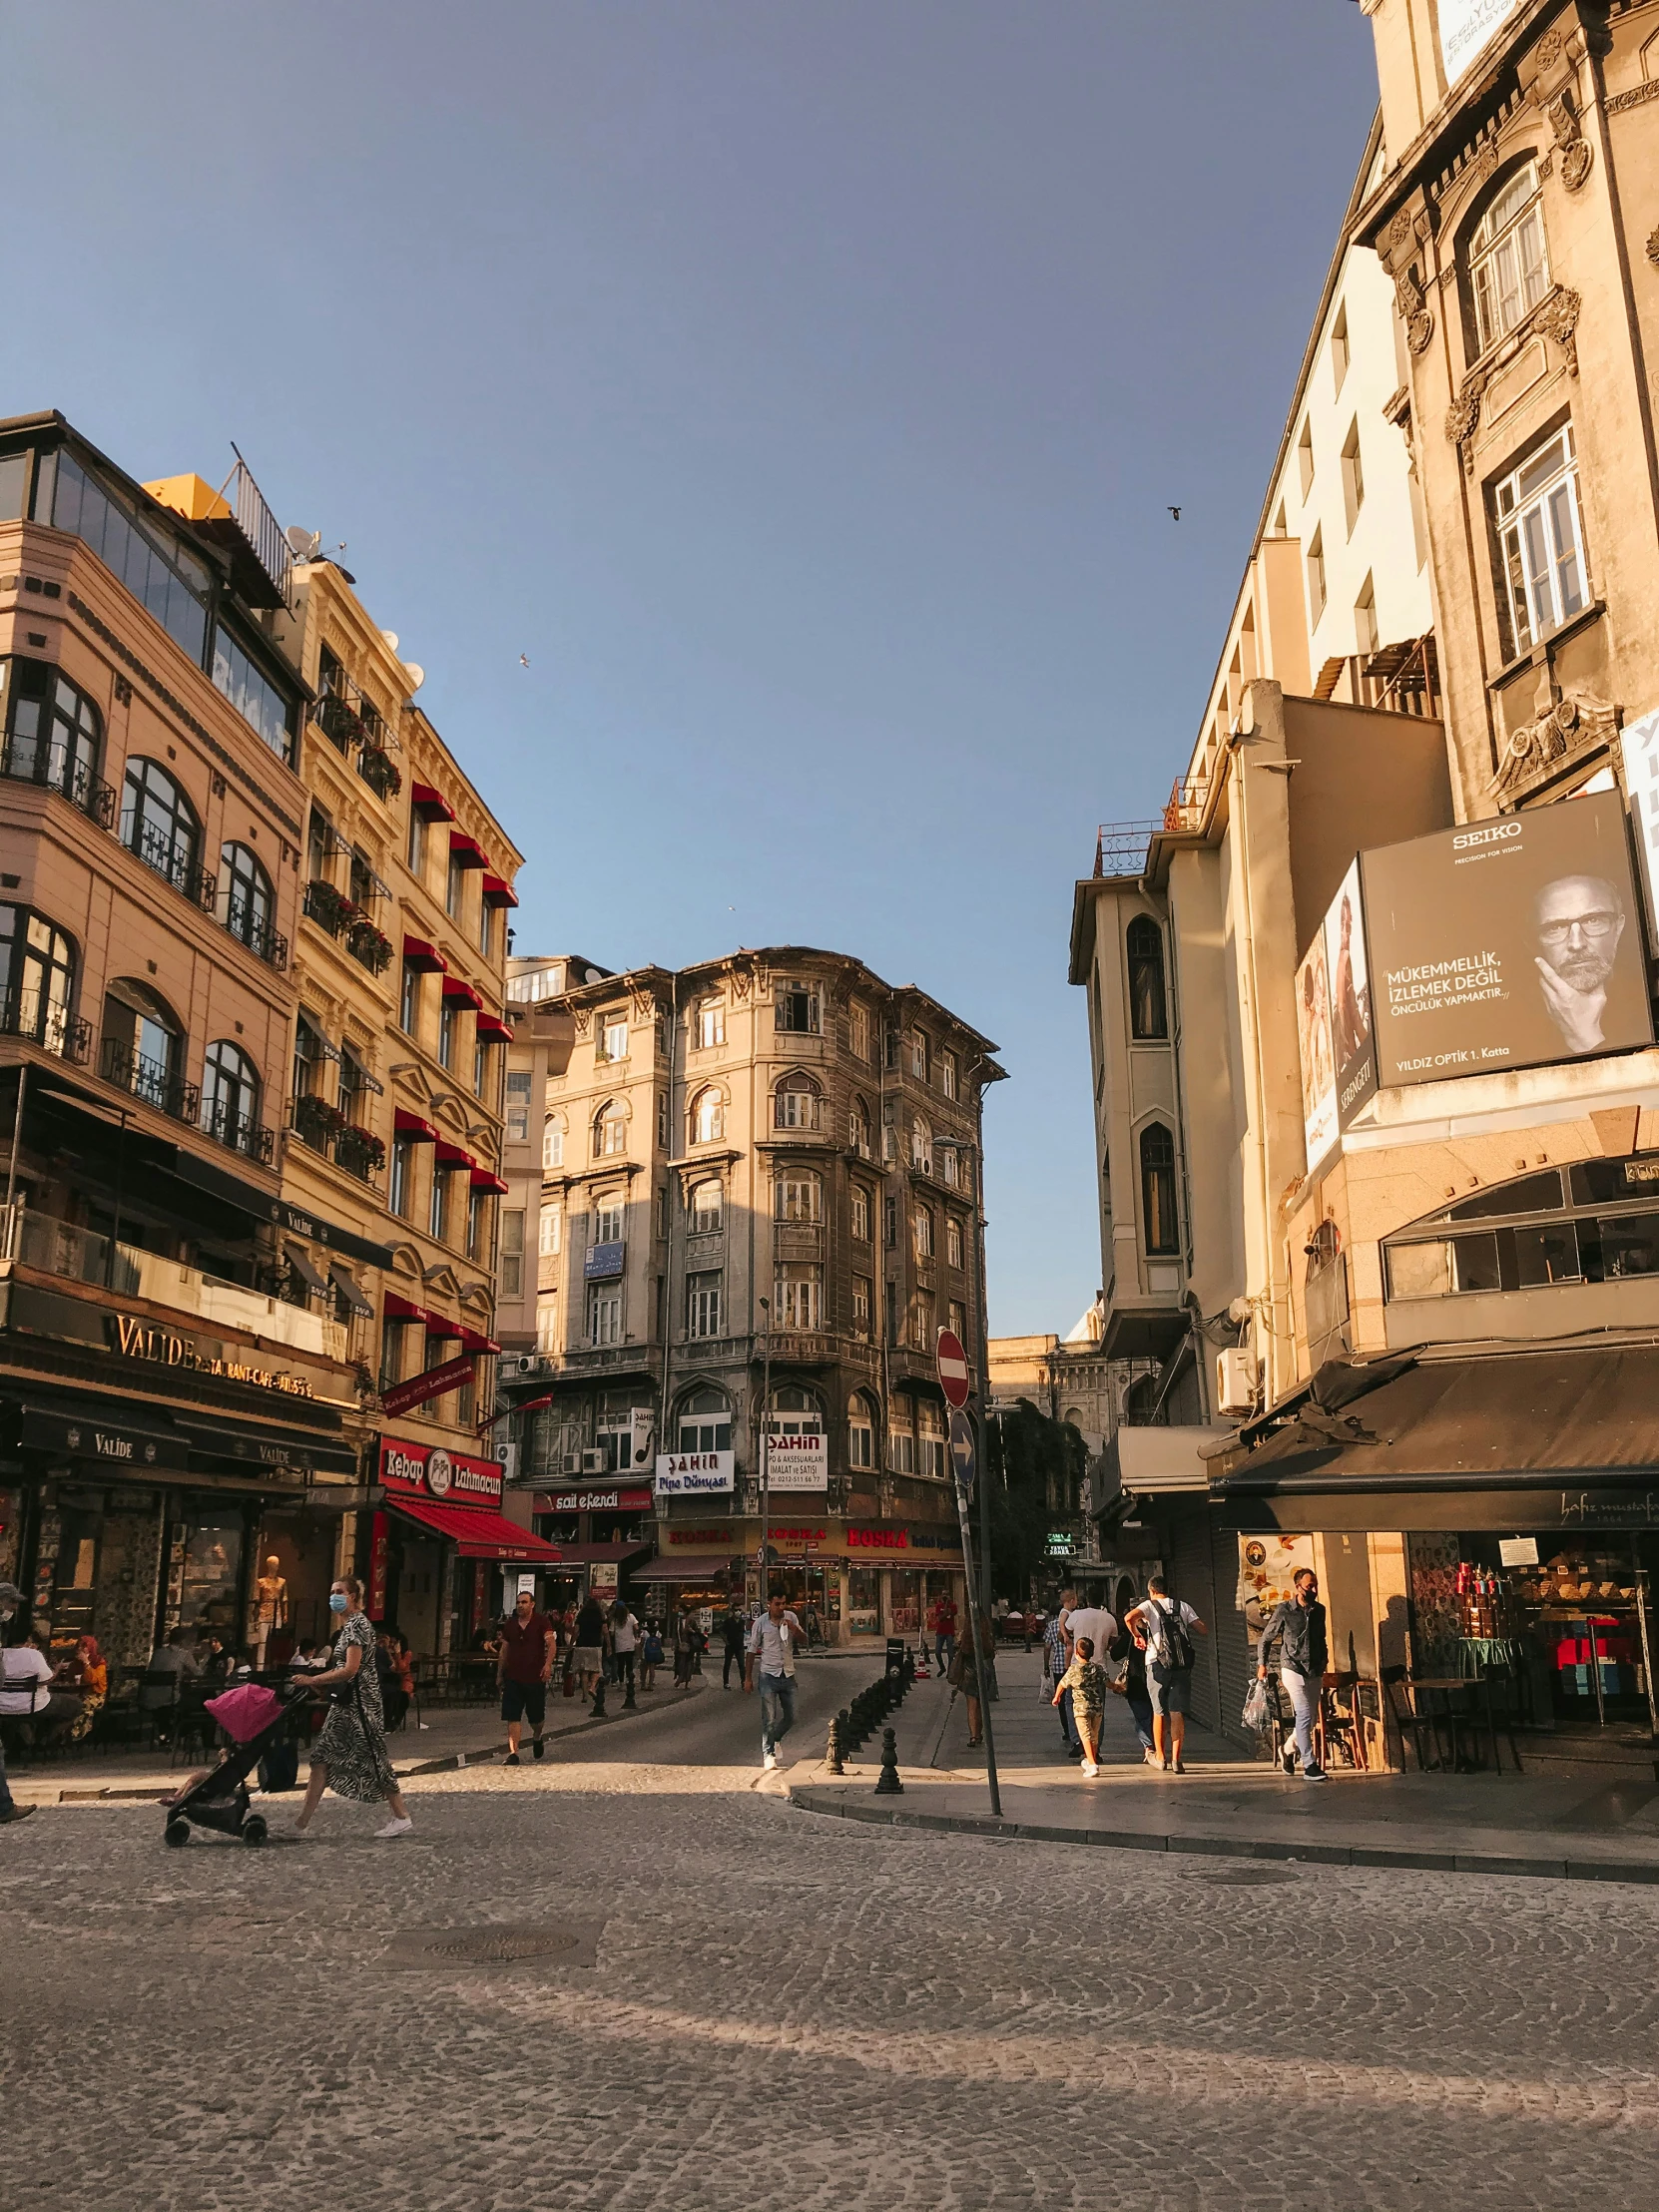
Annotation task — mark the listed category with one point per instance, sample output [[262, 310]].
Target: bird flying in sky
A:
[[1176, 512]]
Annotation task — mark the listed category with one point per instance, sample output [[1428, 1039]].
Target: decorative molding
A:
[[1556, 316], [1413, 312], [1547, 51], [1638, 94], [645, 1005], [1463, 417], [1484, 168], [583, 1019], [1653, 244], [1577, 155], [1577, 723]]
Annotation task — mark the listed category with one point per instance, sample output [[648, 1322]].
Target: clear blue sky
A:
[[800, 386]]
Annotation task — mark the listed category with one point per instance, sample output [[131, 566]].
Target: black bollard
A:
[[832, 1756], [597, 1710], [889, 1784], [629, 1703]]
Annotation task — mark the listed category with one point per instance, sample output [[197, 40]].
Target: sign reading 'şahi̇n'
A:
[[796, 1461], [953, 1367], [693, 1473]]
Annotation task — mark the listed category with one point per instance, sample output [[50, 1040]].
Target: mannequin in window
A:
[[270, 1606]]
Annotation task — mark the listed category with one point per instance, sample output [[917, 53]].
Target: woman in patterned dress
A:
[[351, 1751]]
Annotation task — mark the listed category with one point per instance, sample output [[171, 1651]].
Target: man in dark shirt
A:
[[523, 1668], [1298, 1626]]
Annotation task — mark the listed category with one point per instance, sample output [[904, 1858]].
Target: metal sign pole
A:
[[963, 1456]]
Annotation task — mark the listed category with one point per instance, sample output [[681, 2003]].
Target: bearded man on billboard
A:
[[1578, 921]]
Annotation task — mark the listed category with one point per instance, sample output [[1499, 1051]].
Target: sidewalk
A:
[[454, 1736], [1572, 1822]]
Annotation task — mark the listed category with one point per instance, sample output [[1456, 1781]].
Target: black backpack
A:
[[1177, 1643]]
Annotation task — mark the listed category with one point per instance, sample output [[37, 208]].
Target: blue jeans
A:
[[776, 1709], [944, 1650], [1303, 1697], [1140, 1712], [5, 1791]]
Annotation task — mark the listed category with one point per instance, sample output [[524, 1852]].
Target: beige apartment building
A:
[[1393, 1240], [761, 1171]]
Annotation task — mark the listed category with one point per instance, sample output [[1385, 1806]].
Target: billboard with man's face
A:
[[1505, 943], [1332, 1018]]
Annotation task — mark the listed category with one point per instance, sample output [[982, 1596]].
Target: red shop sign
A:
[[879, 1539], [430, 1470]]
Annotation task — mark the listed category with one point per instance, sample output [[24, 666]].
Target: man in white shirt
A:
[[770, 1654], [11, 1597], [625, 1643], [26, 1692]]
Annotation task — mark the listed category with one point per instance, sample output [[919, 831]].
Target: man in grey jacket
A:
[[1298, 1626]]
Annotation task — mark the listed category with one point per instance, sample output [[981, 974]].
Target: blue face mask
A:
[[337, 1601]]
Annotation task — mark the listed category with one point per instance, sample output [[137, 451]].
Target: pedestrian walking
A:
[[351, 1753], [1085, 1683], [625, 1642], [1296, 1625], [1056, 1659], [1131, 1685], [651, 1655], [970, 1661], [685, 1647], [11, 1597], [944, 1633], [770, 1664], [733, 1634], [1164, 1627], [523, 1669], [590, 1638], [1095, 1622]]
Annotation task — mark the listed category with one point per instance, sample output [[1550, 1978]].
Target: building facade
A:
[[760, 1172]]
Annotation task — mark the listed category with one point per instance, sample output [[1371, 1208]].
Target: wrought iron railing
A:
[[239, 1132], [38, 1020], [259, 525], [148, 1079], [27, 761], [174, 862], [254, 929]]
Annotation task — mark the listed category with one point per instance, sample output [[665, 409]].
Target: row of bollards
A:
[[859, 1720]]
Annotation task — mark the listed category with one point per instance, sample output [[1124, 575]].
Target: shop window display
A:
[[206, 1570], [864, 1601], [905, 1602]]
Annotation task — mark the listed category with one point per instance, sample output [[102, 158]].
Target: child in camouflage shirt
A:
[[1087, 1684]]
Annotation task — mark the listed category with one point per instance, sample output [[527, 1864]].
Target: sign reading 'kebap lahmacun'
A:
[[1507, 943]]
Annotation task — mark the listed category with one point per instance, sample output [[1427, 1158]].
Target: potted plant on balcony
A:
[[379, 770], [329, 907], [359, 1151], [316, 1121], [368, 945], [339, 720]]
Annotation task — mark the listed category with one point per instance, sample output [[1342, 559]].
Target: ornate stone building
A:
[[767, 1160]]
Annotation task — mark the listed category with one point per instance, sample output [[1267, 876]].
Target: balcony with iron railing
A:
[[250, 925], [346, 922], [172, 860], [323, 1127], [157, 1086], [25, 760], [352, 723], [37, 1020], [59, 1248], [238, 1132]]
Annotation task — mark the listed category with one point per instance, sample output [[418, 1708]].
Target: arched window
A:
[[53, 731], [860, 1431], [708, 1118], [921, 1146], [230, 1099], [921, 1231], [1147, 1011], [1509, 262], [707, 1205], [797, 1195], [706, 1420], [796, 1103], [610, 1130], [245, 899], [37, 979], [858, 1128], [796, 1411], [1159, 1225], [143, 1048], [157, 822]]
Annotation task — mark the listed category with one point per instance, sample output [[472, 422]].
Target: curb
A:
[[1222, 1847]]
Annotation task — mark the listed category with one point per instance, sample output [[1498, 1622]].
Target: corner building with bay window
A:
[[767, 1160]]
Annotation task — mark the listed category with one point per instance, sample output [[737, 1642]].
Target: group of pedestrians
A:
[[1151, 1659]]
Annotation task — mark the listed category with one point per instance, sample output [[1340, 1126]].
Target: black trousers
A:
[[733, 1658]]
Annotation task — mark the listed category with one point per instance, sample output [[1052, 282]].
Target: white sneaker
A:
[[404, 1827], [1153, 1760], [1089, 1766], [769, 1759]]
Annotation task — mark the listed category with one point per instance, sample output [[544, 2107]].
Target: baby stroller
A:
[[258, 1719]]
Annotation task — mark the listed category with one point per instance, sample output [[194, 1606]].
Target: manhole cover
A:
[[486, 1947], [1245, 1878]]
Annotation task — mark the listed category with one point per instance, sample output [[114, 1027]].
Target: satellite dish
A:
[[593, 975], [389, 640], [304, 545], [415, 673]]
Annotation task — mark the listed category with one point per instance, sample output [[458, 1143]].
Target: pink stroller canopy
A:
[[244, 1710]]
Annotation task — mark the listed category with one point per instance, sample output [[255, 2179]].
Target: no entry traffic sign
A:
[[953, 1367]]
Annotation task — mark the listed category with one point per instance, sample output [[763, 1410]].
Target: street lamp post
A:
[[766, 1437]]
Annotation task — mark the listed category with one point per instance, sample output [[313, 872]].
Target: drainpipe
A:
[[668, 1257]]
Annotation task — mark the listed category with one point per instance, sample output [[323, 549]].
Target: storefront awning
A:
[[1505, 1420], [478, 1535], [697, 1567], [416, 1126], [585, 1556], [285, 1451], [347, 1283], [115, 1440], [299, 1260]]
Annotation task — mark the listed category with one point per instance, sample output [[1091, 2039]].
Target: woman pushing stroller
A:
[[351, 1751]]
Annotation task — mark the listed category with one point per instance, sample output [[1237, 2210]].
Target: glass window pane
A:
[[1546, 1255], [1474, 1263]]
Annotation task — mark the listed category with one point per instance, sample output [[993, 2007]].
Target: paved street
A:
[[787, 2008]]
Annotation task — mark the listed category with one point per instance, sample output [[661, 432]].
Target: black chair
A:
[[158, 1699], [1397, 1688], [193, 1724], [1503, 1709]]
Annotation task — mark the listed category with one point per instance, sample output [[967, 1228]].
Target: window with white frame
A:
[[613, 1035], [901, 1437], [550, 1239], [706, 1421], [858, 1128], [859, 1214], [553, 1145], [796, 1103], [858, 1029], [547, 1322], [1339, 349], [921, 1146], [707, 1205], [953, 1239], [930, 1438], [610, 1130], [1353, 475], [797, 1299], [1508, 260], [703, 1304], [604, 1314], [796, 1196], [512, 1251], [1541, 532], [947, 1074], [860, 1431], [958, 1320], [608, 1217], [921, 1231], [518, 1105], [711, 1023], [1305, 457], [708, 1118], [922, 1330], [1316, 573], [861, 1303], [948, 1166], [921, 1055]]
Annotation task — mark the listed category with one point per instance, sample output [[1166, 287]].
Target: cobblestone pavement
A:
[[786, 2009]]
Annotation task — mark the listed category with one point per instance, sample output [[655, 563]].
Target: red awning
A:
[[494, 1030], [399, 1308], [405, 1124], [478, 1533], [417, 953], [451, 1156], [438, 1324], [472, 1341], [453, 987], [432, 804], [582, 1555], [467, 850], [484, 1180], [498, 893]]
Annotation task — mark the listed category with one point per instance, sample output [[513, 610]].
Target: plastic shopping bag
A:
[[1258, 1706]]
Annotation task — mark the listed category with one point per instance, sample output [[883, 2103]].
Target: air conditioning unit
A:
[[570, 1462], [520, 1362], [595, 1463], [1237, 1380]]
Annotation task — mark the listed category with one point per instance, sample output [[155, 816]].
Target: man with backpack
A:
[[1163, 1628]]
